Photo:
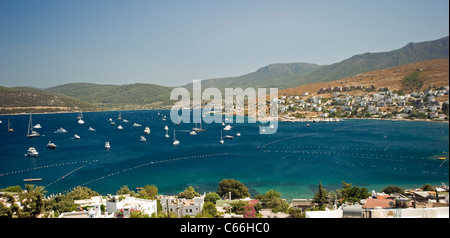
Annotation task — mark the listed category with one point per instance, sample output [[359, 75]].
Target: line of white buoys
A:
[[48, 166], [389, 158], [63, 177], [287, 138], [152, 163]]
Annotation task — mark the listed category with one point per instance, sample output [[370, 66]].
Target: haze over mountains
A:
[[89, 96]]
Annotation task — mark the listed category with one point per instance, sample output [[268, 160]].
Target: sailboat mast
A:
[[29, 125]]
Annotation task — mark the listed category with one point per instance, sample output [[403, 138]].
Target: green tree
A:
[[427, 187], [353, 194], [237, 189], [61, 204], [321, 197], [12, 209], [393, 190], [125, 190], [272, 199], [209, 210], [212, 197], [32, 201], [148, 192], [189, 193], [82, 193]]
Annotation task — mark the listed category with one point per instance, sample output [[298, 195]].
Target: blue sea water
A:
[[366, 153]]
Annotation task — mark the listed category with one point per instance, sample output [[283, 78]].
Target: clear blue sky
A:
[[51, 42]]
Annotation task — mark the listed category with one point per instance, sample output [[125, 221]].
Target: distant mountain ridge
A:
[[90, 96], [274, 74], [311, 73]]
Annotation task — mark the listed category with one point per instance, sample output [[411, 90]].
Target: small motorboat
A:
[[120, 127], [147, 130], [77, 137], [32, 152], [107, 145], [91, 129], [143, 139], [136, 125], [60, 130], [51, 145]]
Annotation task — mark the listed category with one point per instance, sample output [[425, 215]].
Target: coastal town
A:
[[358, 102], [349, 202]]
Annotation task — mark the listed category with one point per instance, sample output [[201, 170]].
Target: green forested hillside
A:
[[130, 94], [21, 99]]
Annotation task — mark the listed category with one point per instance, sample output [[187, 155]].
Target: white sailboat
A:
[[80, 118], [167, 134], [120, 116], [31, 133], [9, 127], [175, 141], [221, 139]]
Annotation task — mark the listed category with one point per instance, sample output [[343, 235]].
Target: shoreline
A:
[[278, 119]]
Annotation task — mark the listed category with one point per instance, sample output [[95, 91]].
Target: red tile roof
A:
[[384, 203]]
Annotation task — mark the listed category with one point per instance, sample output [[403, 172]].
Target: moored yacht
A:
[[227, 128], [91, 129], [147, 130], [228, 137], [32, 152], [143, 139], [107, 145], [77, 137], [136, 125], [120, 127], [60, 130], [51, 145]]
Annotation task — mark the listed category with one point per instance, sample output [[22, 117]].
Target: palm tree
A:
[[32, 201], [12, 209]]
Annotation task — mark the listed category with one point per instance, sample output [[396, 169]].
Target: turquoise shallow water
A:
[[367, 153]]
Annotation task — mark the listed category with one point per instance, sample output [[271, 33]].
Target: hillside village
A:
[[432, 104]]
